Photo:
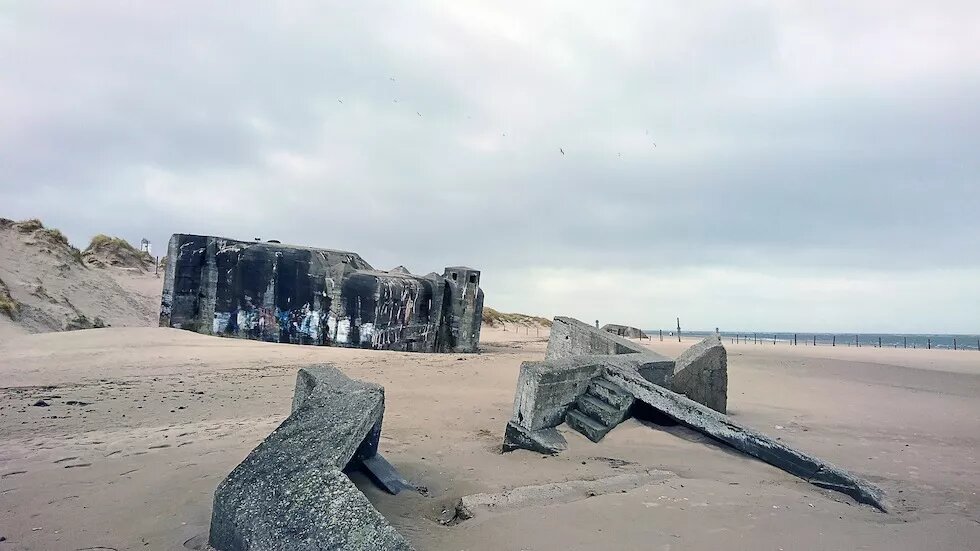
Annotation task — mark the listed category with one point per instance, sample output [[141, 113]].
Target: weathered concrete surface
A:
[[603, 406], [725, 429], [545, 390], [570, 337], [624, 331], [290, 492], [587, 370], [547, 441], [701, 374], [304, 295]]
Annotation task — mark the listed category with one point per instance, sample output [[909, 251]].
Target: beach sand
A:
[[143, 423]]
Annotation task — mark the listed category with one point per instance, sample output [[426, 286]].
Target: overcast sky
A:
[[816, 167]]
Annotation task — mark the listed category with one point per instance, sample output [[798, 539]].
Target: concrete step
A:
[[592, 429], [605, 413], [611, 393]]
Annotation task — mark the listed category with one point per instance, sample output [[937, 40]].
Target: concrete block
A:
[[384, 475], [725, 429], [547, 441], [701, 374], [290, 492], [545, 390], [570, 337]]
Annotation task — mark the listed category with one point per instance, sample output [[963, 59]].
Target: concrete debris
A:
[[591, 378], [725, 429], [701, 374], [624, 331], [303, 295], [551, 494], [291, 492], [547, 441]]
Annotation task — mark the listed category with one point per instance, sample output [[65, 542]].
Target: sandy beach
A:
[[144, 422]]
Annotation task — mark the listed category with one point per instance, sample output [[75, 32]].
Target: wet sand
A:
[[144, 422]]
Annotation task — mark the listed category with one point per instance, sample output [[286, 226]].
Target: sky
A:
[[810, 166]]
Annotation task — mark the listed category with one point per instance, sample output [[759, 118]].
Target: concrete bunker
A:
[[592, 379], [304, 295], [291, 491]]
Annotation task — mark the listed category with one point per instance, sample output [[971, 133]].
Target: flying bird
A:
[[562, 150], [419, 114], [391, 79], [340, 100]]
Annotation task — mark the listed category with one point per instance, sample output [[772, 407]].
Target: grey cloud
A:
[[754, 166]]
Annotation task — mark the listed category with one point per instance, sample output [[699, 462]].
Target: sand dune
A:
[[53, 289]]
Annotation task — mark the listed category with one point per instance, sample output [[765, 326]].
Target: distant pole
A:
[[678, 329], [834, 341], [929, 343]]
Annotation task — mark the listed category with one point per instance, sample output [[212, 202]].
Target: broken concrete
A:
[[544, 495], [547, 441], [570, 337], [590, 379], [291, 492], [701, 374], [303, 295], [725, 429], [624, 331]]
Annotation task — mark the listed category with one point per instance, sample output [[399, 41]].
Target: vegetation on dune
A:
[[103, 241], [494, 318], [50, 236], [116, 251], [28, 226], [8, 305]]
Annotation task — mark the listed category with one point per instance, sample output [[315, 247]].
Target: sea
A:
[[885, 340]]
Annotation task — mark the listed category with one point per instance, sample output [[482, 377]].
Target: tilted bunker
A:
[[305, 295]]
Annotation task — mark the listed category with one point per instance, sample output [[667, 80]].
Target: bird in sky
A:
[[391, 79], [395, 100], [340, 100], [562, 150], [419, 114]]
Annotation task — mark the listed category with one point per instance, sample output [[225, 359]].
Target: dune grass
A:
[[8, 305], [494, 318]]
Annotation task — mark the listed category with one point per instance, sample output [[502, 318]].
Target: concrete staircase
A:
[[603, 406]]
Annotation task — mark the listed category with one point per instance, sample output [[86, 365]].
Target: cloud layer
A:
[[815, 166]]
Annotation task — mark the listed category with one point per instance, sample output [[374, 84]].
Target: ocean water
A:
[[887, 340]]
